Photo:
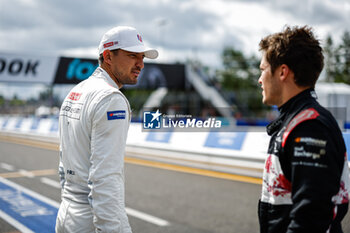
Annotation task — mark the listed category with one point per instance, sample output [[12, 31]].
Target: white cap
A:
[[125, 38]]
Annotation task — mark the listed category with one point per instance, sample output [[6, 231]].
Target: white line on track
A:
[[131, 212], [15, 223], [146, 217], [38, 196], [7, 166], [50, 182], [30, 192], [26, 173]]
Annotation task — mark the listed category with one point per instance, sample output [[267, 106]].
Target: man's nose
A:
[[140, 63]]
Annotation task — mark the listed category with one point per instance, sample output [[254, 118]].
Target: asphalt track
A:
[[159, 197]]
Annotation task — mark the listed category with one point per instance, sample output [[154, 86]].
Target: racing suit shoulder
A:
[[314, 159], [304, 115], [304, 168], [98, 90]]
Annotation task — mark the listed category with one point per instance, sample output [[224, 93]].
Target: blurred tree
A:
[[46, 94], [344, 53], [2, 101], [337, 59], [137, 98], [48, 98], [16, 102], [330, 59], [240, 75], [239, 71]]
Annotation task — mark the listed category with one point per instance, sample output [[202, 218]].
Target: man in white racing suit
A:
[[93, 126]]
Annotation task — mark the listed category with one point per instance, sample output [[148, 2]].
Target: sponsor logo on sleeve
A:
[[116, 115], [311, 141]]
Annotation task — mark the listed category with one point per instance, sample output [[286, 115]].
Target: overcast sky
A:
[[179, 29]]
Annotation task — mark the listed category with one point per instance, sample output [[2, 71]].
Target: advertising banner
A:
[[72, 70], [27, 68], [152, 76]]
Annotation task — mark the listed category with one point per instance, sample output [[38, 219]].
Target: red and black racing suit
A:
[[306, 178]]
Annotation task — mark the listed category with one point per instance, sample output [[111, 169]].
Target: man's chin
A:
[[265, 101], [132, 82]]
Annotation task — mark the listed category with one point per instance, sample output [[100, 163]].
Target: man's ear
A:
[[107, 56], [284, 72]]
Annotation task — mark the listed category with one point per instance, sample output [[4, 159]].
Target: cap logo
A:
[[109, 44], [139, 37]]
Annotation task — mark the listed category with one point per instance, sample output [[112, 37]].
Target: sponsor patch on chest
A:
[[71, 109], [74, 96]]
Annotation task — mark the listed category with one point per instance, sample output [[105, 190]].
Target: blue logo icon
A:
[[152, 120], [80, 69]]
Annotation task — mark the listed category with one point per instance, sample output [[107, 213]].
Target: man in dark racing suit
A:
[[306, 178]]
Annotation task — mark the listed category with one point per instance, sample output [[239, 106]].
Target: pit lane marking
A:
[[191, 170], [146, 217], [142, 162], [29, 174], [131, 212], [26, 173], [7, 167], [21, 208], [32, 143], [13, 222], [50, 182]]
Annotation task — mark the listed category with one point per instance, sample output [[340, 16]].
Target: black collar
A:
[[289, 107]]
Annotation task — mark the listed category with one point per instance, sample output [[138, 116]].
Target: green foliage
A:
[[239, 72], [137, 98], [2, 100], [337, 59], [16, 102], [240, 77]]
